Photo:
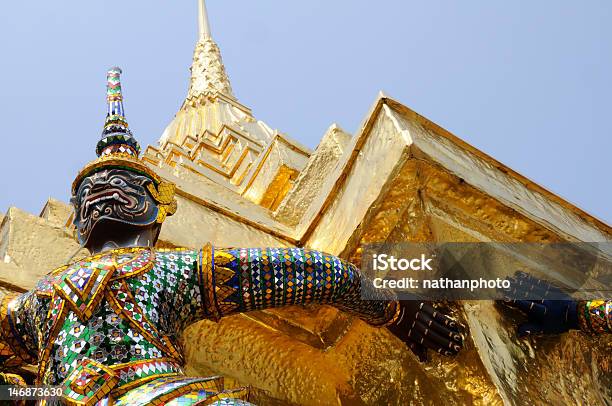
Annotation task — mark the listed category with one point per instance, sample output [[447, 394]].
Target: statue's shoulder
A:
[[44, 286], [101, 257], [121, 262], [80, 285]]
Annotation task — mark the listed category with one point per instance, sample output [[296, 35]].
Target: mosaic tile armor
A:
[[595, 316], [107, 327]]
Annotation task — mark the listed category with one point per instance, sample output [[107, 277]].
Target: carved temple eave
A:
[[484, 173], [415, 137]]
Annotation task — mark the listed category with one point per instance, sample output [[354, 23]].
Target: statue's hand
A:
[[544, 316], [422, 327]]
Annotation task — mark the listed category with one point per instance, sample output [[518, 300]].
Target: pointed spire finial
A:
[[116, 135], [208, 74], [114, 96], [203, 23]]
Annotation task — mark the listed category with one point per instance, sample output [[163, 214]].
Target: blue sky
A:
[[528, 82]]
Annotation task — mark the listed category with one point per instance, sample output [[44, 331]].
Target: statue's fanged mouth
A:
[[95, 203]]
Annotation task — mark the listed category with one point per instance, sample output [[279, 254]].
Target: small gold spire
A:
[[208, 74]]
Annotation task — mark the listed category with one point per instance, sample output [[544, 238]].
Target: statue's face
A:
[[112, 195]]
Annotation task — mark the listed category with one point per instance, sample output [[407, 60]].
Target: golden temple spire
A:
[[204, 25], [208, 76], [211, 114]]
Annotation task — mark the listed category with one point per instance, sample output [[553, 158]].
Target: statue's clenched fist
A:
[[423, 327]]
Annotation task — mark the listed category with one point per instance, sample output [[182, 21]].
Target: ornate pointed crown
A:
[[119, 149], [116, 136]]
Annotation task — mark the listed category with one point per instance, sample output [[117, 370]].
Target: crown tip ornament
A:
[[116, 135]]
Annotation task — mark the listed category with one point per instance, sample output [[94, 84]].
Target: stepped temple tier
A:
[[221, 178]]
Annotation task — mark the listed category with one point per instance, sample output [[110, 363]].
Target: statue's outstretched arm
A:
[[244, 279]]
